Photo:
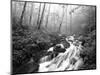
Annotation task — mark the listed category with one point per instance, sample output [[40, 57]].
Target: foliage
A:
[[29, 43], [89, 42]]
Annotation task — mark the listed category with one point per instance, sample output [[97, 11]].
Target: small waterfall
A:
[[68, 60]]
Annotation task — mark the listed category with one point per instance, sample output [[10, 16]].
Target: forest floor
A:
[[29, 45]]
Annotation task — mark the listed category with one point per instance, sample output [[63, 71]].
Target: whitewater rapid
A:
[[68, 60]]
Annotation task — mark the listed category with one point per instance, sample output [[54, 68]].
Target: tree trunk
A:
[[31, 15], [59, 30], [42, 15], [70, 22], [47, 17], [89, 14], [39, 15], [22, 15], [66, 18], [15, 9], [71, 15]]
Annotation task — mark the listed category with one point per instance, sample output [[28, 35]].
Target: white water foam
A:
[[69, 60]]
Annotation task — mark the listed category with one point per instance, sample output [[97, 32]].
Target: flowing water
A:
[[68, 60]]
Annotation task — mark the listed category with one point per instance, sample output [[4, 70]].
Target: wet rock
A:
[[59, 49], [27, 68], [43, 45]]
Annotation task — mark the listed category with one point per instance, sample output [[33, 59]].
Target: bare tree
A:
[[15, 10], [70, 22], [61, 20], [42, 15], [66, 15], [47, 17], [39, 15], [86, 12], [22, 15], [71, 14], [89, 14], [31, 14]]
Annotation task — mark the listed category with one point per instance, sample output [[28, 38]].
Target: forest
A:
[[37, 26]]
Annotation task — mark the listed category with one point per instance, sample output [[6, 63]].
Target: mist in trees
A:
[[49, 16], [37, 26]]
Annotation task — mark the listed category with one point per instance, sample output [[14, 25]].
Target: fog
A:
[[52, 37], [73, 18]]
